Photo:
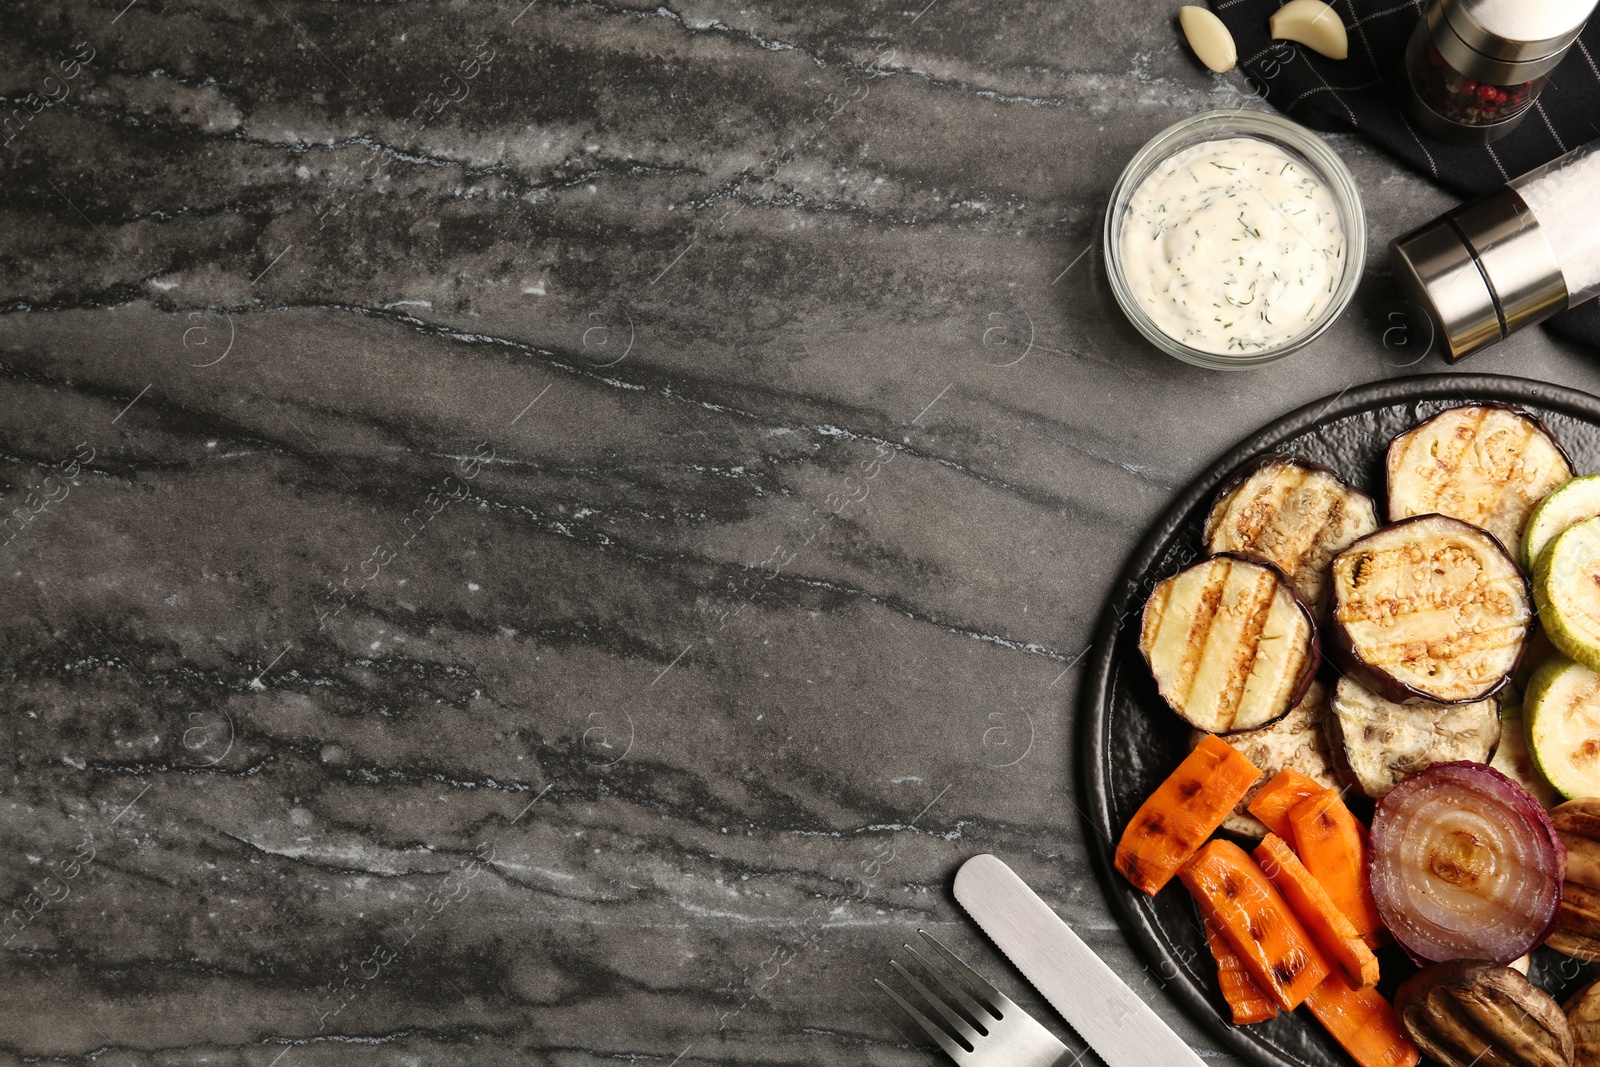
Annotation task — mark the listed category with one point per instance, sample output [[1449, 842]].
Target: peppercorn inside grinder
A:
[[1476, 67]]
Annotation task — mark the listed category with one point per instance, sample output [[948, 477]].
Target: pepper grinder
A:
[[1510, 258], [1475, 67]]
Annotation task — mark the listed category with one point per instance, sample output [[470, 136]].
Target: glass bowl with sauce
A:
[[1234, 238]]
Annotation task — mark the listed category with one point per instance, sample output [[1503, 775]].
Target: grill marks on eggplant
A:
[[1481, 463], [1236, 670], [1381, 742], [1230, 645], [1431, 608], [1294, 514]]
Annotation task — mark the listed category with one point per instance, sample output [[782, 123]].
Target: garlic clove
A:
[[1313, 24], [1212, 43]]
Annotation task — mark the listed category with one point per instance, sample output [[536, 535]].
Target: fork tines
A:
[[994, 1031]]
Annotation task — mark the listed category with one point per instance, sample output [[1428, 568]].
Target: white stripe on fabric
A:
[[1539, 106], [1587, 58], [1501, 167], [1387, 11], [1326, 88], [1433, 165]]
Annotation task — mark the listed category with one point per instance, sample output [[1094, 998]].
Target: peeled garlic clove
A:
[[1313, 24], [1210, 39]]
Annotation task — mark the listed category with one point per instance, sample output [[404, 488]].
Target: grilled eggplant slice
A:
[[1379, 742], [1296, 742], [1294, 513], [1230, 644], [1429, 609], [1486, 464]]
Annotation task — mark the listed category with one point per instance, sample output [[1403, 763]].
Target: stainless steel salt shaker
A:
[[1510, 258], [1475, 67]]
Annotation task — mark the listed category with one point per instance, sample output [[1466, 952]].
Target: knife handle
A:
[[1087, 993]]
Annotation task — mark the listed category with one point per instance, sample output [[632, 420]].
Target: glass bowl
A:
[[1300, 143]]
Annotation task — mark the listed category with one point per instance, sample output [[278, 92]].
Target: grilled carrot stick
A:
[[1279, 796], [1363, 1022], [1236, 896], [1329, 927], [1245, 999], [1333, 846], [1182, 812]]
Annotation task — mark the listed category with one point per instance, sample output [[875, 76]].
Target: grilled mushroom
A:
[[1577, 931], [1467, 1012], [1583, 1016]]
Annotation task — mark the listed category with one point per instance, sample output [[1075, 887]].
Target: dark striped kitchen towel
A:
[[1363, 93]]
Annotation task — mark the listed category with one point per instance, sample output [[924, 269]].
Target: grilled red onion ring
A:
[[1465, 865]]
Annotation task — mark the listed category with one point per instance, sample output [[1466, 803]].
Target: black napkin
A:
[[1364, 91]]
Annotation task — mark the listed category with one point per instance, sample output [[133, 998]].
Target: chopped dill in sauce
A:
[[1260, 232]]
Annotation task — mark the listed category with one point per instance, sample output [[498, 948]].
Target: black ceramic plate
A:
[[1131, 740]]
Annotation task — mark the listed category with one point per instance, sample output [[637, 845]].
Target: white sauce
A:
[[1233, 246]]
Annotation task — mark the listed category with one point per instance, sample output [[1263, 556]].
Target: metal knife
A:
[[1077, 983]]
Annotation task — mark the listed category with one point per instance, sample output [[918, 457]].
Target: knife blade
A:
[[1101, 1008]]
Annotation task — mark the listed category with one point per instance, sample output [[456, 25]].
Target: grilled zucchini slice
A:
[[1514, 759], [1429, 609], [1486, 464], [1296, 742], [1563, 709], [1380, 742], [1563, 509], [1566, 583], [1229, 643], [1294, 513]]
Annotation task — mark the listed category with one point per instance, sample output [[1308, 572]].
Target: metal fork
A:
[[998, 1033]]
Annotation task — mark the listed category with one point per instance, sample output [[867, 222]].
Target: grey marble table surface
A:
[[551, 529]]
